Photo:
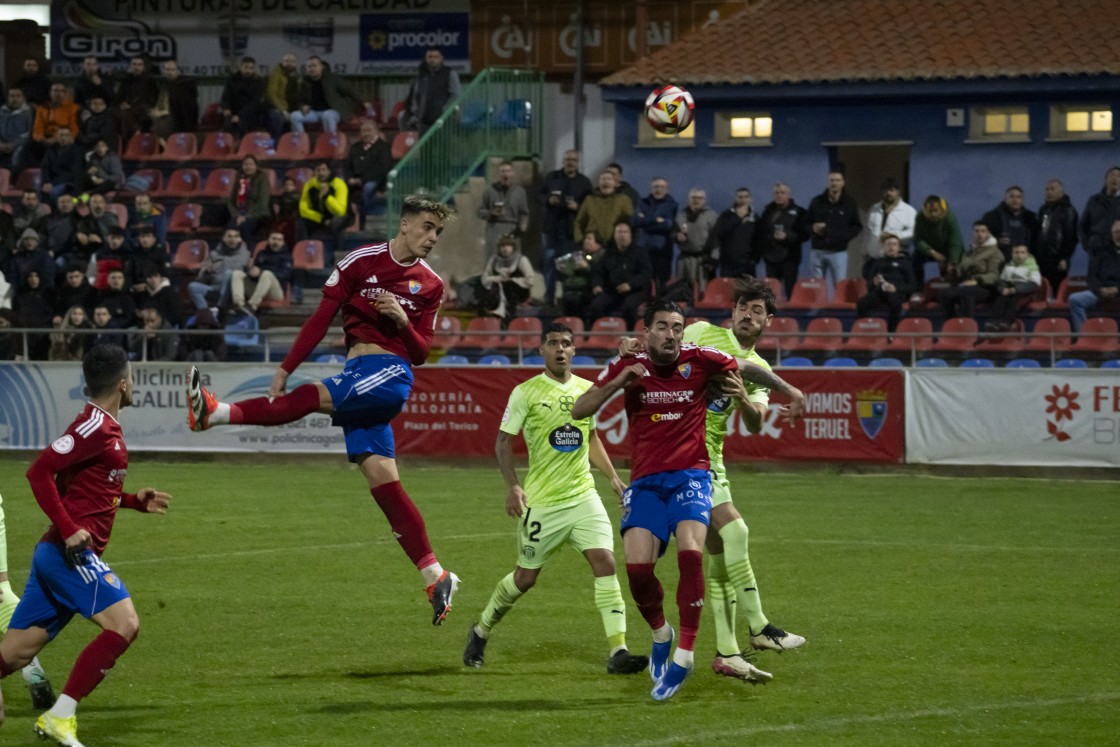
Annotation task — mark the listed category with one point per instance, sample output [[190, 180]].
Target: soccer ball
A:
[[669, 109]]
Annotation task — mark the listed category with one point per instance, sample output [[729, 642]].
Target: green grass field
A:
[[276, 609]]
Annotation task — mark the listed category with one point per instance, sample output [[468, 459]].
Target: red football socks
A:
[[301, 401], [647, 593], [94, 663], [690, 595], [406, 522]]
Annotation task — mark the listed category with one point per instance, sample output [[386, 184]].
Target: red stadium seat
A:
[[182, 183], [259, 144], [483, 332], [1003, 343], [120, 211], [719, 293], [530, 340], [142, 146], [605, 333], [211, 118], [912, 333], [448, 332], [931, 291], [1040, 301], [185, 218], [573, 323], [180, 146], [868, 335], [848, 291], [1049, 333], [809, 294], [218, 146], [292, 146], [777, 289], [783, 332], [219, 184], [1107, 344], [29, 180], [957, 335], [823, 335], [308, 255], [189, 255], [299, 175], [330, 146], [1068, 286], [402, 143]]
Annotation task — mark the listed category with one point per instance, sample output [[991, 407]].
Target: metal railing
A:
[[497, 115]]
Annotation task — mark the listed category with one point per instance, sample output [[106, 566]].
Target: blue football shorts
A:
[[58, 588], [660, 501], [366, 396]]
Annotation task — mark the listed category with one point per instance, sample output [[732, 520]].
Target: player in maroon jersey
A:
[[389, 297], [665, 391], [78, 483]]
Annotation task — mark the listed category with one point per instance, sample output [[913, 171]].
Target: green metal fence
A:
[[497, 115]]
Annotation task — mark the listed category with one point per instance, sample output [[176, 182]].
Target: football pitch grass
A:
[[276, 609]]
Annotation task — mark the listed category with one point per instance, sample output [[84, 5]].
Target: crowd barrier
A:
[[888, 416]]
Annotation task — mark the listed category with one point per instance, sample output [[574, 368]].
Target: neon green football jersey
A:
[[719, 410], [559, 468]]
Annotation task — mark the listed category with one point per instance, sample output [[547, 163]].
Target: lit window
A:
[[648, 136], [1076, 122], [1000, 124], [743, 128]]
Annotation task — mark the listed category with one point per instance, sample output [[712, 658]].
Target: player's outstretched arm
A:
[[757, 374], [515, 495], [590, 401], [597, 453], [312, 331], [731, 385]]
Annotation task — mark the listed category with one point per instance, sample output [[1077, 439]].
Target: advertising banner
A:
[[1059, 417], [851, 415]]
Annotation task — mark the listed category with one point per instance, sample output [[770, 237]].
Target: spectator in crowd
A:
[[203, 347], [890, 215], [1103, 277], [117, 299], [937, 238], [158, 294], [734, 237], [576, 270], [148, 251], [59, 228], [270, 272], [1017, 282], [1011, 223], [285, 211], [621, 279], [103, 171], [781, 231], [176, 108], [833, 221], [75, 290], [63, 167], [890, 281], [144, 212], [325, 98], [250, 196], [93, 228], [114, 255], [137, 93], [16, 119], [324, 205], [973, 279], [29, 256], [157, 341], [602, 209], [7, 239], [57, 114], [655, 227], [216, 272], [367, 168], [29, 213], [109, 330], [436, 85], [245, 106], [694, 225], [35, 84], [1101, 211], [92, 82], [1057, 234], [506, 279], [99, 123], [283, 86], [561, 193], [505, 207], [624, 187], [33, 307], [67, 344]]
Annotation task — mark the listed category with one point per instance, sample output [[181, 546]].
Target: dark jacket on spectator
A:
[[1019, 230], [64, 165], [792, 218], [1104, 268], [631, 266], [840, 218], [370, 164], [654, 236], [1101, 211], [736, 238], [558, 219]]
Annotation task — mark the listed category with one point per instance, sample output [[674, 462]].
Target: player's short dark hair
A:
[[661, 304], [104, 366], [748, 288], [419, 204], [557, 328]]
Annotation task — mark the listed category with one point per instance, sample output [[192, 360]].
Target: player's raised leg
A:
[[206, 411]]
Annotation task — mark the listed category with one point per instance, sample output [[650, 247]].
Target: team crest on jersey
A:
[[414, 286], [112, 580], [63, 444], [685, 369]]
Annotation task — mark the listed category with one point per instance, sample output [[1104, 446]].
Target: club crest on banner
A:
[[871, 407]]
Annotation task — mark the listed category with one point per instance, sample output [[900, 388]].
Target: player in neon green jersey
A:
[[558, 504], [731, 580]]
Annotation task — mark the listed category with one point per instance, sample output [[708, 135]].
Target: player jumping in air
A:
[[389, 297], [665, 391], [77, 481], [559, 504]]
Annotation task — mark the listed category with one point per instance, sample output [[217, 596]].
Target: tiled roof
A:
[[812, 41]]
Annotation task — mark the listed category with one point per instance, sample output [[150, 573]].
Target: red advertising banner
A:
[[851, 416]]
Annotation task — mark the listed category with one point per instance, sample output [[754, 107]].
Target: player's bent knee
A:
[[602, 562], [525, 578]]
